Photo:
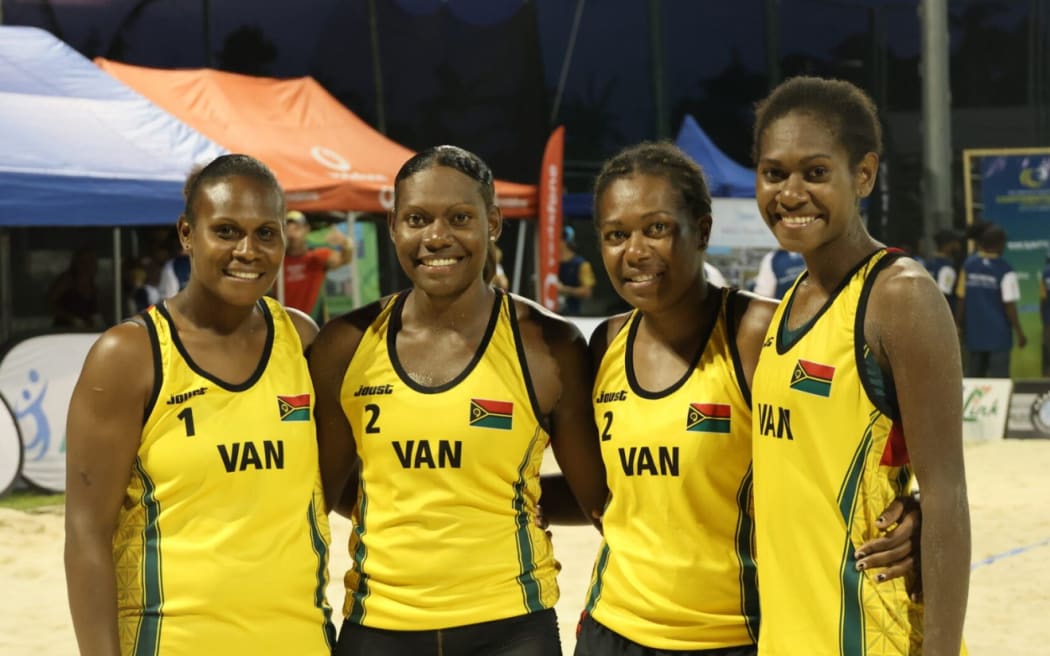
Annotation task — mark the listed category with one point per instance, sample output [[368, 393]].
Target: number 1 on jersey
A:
[[187, 416]]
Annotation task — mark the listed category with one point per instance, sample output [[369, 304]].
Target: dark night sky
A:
[[482, 73]]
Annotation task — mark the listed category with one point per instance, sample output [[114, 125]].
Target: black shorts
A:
[[593, 639], [533, 634]]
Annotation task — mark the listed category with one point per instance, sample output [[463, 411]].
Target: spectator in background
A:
[[174, 275], [777, 272], [943, 264], [1044, 313], [305, 267], [73, 295], [713, 275], [986, 309], [575, 276], [142, 293]]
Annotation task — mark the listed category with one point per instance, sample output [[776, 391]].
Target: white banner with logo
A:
[[37, 377], [737, 223], [986, 405], [10, 447]]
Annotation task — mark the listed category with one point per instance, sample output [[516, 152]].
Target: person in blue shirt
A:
[[986, 310], [575, 276], [777, 272], [943, 265]]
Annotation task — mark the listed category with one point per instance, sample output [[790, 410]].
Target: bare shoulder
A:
[[338, 339], [123, 354], [126, 342], [604, 333], [537, 322], [906, 310], [304, 325], [754, 312], [904, 284]]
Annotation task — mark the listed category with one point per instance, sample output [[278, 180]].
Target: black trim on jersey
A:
[[394, 328], [158, 367], [519, 346], [783, 343], [731, 301], [632, 379], [259, 369], [887, 401]]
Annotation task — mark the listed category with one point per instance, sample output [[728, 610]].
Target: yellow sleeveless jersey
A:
[[443, 525], [825, 467], [676, 569], [222, 544]]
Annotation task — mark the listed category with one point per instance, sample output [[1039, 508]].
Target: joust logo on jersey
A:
[[294, 408], [491, 414], [812, 378], [182, 397], [708, 418], [611, 397]]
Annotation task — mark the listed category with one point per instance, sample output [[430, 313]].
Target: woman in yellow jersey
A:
[[195, 520], [434, 409], [676, 573], [857, 386]]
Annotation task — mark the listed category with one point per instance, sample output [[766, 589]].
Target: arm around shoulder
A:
[[329, 358], [304, 325], [753, 317], [103, 433], [574, 437]]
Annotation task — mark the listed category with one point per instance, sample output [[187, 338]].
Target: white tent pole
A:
[[519, 255], [355, 281], [280, 283]]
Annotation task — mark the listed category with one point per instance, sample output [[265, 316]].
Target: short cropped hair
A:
[[843, 107]]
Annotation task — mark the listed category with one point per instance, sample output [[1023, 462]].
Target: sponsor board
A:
[[10, 447], [37, 377], [1030, 409], [986, 403]]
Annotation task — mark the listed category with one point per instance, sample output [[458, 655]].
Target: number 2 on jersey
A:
[[373, 410]]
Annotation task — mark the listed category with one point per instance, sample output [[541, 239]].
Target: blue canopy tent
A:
[[80, 147], [725, 178]]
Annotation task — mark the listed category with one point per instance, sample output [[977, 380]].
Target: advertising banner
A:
[[10, 447], [1030, 409], [986, 403], [1015, 194], [37, 377], [551, 181], [737, 223]]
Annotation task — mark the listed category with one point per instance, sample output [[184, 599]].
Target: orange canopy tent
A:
[[324, 156]]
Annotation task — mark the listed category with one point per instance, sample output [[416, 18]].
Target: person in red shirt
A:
[[305, 267]]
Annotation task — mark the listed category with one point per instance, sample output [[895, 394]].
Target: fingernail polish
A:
[[860, 567], [859, 555], [880, 578]]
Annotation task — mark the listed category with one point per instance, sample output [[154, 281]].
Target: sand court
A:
[[1009, 592]]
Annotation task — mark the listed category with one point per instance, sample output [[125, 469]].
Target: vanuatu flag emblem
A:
[[491, 414], [812, 378], [294, 408], [708, 418]]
